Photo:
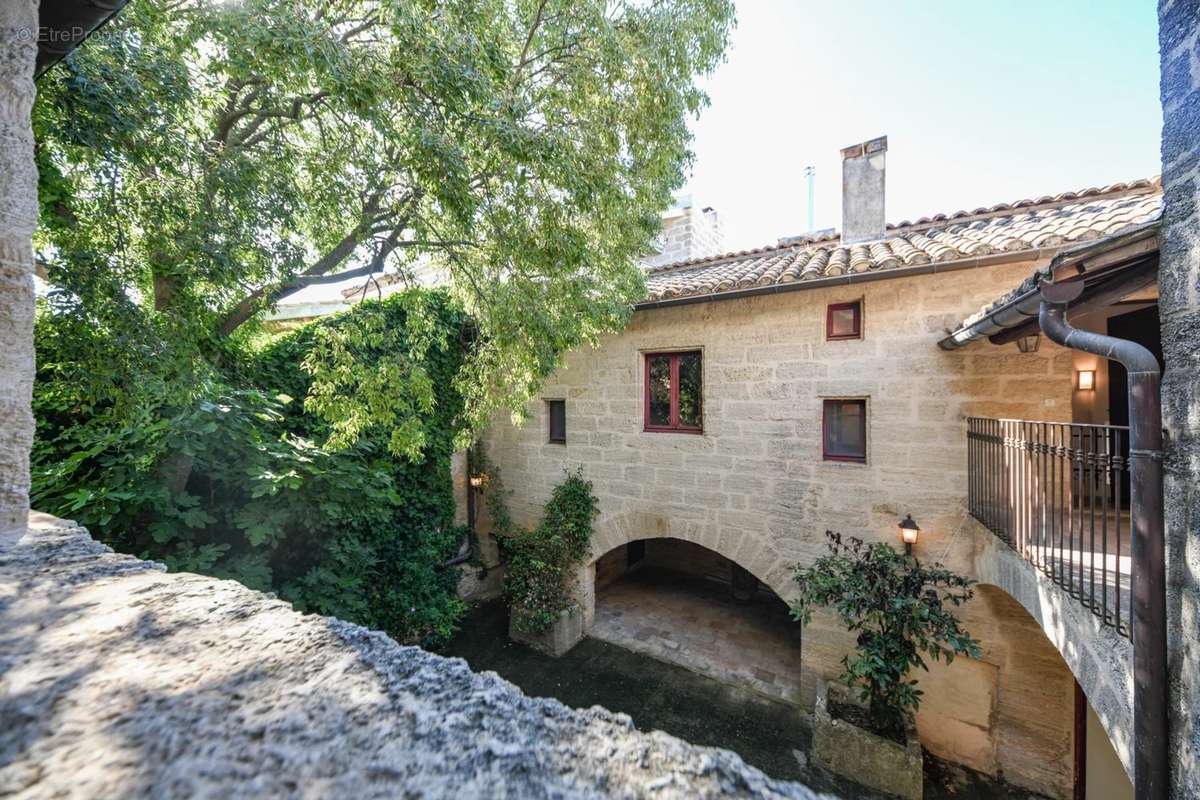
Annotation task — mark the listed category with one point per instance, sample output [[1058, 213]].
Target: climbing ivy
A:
[[240, 473], [541, 560]]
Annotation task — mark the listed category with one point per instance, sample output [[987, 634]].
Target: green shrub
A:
[[898, 608], [540, 561], [226, 473]]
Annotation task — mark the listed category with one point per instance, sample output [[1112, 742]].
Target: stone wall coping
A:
[[119, 679]]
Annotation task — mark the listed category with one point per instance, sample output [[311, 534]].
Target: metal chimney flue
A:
[[863, 171]]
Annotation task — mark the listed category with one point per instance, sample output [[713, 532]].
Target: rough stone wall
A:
[[1179, 309], [18, 216], [119, 680]]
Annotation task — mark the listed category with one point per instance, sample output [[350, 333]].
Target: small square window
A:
[[844, 430], [843, 321], [674, 392], [557, 411]]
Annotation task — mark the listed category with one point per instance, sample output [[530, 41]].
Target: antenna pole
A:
[[810, 173]]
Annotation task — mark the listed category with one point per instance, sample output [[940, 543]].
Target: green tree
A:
[[202, 160], [899, 608]]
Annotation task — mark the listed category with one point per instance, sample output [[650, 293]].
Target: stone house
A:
[[758, 399]]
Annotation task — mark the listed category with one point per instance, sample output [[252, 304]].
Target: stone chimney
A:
[[863, 167], [687, 232]]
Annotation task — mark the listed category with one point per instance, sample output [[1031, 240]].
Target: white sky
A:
[[982, 102]]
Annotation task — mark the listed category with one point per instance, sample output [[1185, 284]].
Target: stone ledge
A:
[[118, 679]]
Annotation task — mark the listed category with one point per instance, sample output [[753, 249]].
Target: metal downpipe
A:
[[1148, 550]]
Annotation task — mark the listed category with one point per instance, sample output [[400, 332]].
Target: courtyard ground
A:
[[769, 734]]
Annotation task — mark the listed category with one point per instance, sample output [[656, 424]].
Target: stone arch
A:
[[1097, 655], [750, 551]]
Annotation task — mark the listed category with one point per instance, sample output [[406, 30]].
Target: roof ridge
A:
[[1140, 185]]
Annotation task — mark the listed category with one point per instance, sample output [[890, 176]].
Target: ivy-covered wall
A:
[[235, 474]]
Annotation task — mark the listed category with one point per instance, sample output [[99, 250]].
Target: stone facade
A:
[[18, 216], [1179, 308], [754, 488], [119, 680]]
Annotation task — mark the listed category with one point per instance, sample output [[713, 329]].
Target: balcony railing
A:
[[1058, 494]]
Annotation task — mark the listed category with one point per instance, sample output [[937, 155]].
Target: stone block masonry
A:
[[119, 680], [755, 489], [1179, 311]]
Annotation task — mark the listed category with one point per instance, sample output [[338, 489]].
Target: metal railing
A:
[[1058, 494]]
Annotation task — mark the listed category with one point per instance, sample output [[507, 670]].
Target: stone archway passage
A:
[[687, 605]]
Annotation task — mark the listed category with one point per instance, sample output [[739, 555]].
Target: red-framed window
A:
[[843, 321], [674, 392], [556, 410], [844, 430]]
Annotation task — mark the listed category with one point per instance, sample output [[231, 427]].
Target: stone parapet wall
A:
[[119, 680]]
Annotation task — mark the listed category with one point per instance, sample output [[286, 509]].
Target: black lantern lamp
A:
[[908, 533]]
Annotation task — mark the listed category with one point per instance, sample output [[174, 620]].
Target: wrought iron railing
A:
[[1058, 494]]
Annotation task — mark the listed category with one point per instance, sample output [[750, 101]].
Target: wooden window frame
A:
[[825, 422], [673, 416], [856, 307], [550, 401]]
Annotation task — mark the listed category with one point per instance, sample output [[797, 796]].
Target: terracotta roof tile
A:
[[1048, 221]]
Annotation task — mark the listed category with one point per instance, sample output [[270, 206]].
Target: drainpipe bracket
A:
[[1061, 293]]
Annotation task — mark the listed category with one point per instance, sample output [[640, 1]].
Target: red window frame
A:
[[826, 404], [551, 404], [856, 307], [673, 426]]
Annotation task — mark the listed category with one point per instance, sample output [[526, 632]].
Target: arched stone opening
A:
[[754, 552], [1098, 657], [1016, 713], [686, 604]]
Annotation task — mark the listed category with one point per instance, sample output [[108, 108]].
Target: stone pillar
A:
[[18, 215], [1179, 308]]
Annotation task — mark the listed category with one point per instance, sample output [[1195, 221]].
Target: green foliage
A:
[[202, 159], [899, 608], [239, 481], [540, 561]]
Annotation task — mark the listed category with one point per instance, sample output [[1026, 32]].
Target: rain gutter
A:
[[1106, 256]]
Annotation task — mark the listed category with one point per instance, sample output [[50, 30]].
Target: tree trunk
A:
[[18, 216]]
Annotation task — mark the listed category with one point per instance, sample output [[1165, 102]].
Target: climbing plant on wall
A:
[[246, 475], [541, 560]]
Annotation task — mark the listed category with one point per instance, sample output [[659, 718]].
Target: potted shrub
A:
[[541, 564], [900, 610]]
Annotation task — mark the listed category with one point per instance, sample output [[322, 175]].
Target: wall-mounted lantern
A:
[[1086, 380], [478, 481], [1029, 344], [908, 533]]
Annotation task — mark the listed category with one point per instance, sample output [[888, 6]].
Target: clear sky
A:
[[982, 102]]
